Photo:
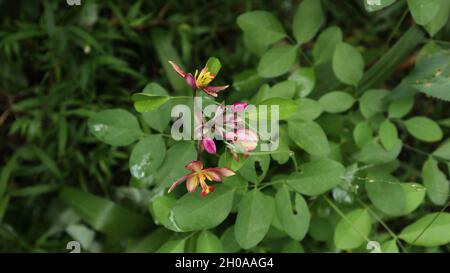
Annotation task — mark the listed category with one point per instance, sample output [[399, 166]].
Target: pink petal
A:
[[194, 166], [247, 134], [214, 174], [239, 106], [220, 172], [177, 69], [209, 145], [213, 94], [249, 145], [192, 183], [248, 139], [190, 80], [216, 88], [212, 90], [230, 136], [226, 172], [177, 182]]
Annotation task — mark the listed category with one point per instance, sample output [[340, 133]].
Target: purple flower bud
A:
[[209, 145]]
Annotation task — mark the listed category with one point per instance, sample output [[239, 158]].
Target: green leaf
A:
[[246, 81], [82, 234], [401, 107], [193, 212], [431, 230], [147, 156], [9, 166], [213, 64], [166, 51], [172, 168], [286, 108], [352, 231], [388, 134], [283, 152], [292, 247], [431, 76], [227, 160], [423, 11], [159, 118], [321, 229], [435, 181], [261, 27], [381, 71], [348, 64], [160, 208], [144, 102], [104, 215], [424, 129], [441, 18], [305, 79], [336, 101], [325, 46], [47, 161], [371, 5], [151, 242], [392, 197], [173, 246], [317, 177], [115, 64], [443, 151], [207, 242], [427, 51], [255, 45], [254, 217], [373, 153], [255, 168], [284, 89], [277, 61], [294, 219], [35, 190], [115, 127], [229, 243], [362, 134], [308, 109], [390, 247], [371, 102], [62, 135], [309, 136], [4, 202], [307, 20]]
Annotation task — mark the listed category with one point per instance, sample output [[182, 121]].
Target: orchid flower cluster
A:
[[238, 139]]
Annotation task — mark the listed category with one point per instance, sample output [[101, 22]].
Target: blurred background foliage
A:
[[61, 64]]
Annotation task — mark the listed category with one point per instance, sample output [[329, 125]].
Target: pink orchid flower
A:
[[242, 141], [198, 176], [199, 80]]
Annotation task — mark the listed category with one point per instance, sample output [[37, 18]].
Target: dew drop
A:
[[417, 187]]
